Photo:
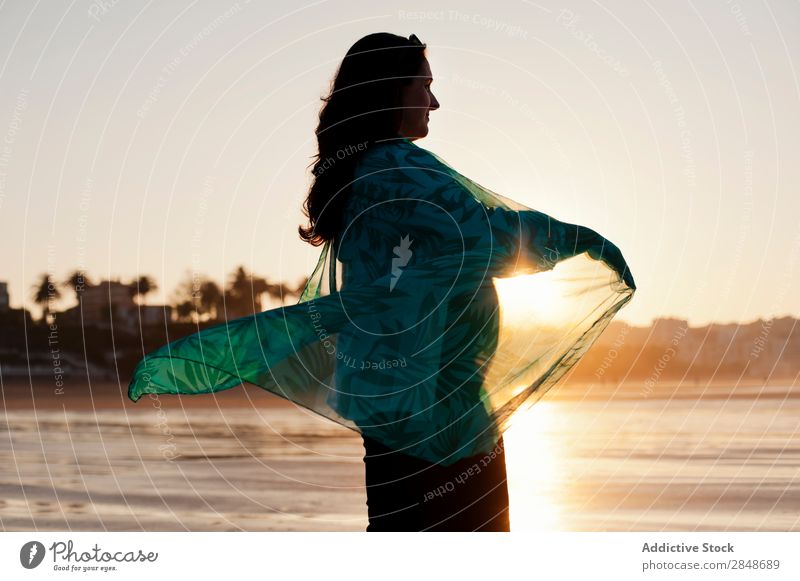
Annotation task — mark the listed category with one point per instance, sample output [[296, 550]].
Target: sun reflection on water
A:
[[534, 467]]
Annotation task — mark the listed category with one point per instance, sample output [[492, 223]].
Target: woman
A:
[[401, 333], [383, 91]]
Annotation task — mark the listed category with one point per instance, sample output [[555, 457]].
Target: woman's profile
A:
[[437, 308]]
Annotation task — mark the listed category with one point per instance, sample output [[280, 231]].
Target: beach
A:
[[692, 456], [243, 459]]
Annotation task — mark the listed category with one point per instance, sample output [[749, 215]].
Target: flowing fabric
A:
[[440, 310]]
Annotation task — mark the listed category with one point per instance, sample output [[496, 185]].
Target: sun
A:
[[531, 297]]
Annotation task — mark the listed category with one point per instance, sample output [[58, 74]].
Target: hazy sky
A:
[[154, 138]]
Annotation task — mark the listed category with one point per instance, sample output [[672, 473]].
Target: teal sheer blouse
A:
[[440, 311]]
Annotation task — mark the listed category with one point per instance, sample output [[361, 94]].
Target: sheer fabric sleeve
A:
[[428, 266]]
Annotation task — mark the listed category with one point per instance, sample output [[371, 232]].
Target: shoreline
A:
[[110, 395], [104, 395]]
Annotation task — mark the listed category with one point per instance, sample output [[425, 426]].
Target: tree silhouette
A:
[[279, 291], [43, 292], [201, 293], [243, 295], [142, 287], [210, 298], [77, 282], [184, 310]]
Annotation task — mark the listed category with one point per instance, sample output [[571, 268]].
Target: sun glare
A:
[[533, 466], [527, 297]]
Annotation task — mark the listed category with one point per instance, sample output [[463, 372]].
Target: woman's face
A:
[[417, 101]]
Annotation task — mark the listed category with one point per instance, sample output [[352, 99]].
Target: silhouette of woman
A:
[[390, 78], [400, 332], [404, 493]]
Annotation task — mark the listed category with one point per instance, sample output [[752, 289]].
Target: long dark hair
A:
[[363, 107]]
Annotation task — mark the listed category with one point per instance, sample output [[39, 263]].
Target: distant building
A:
[[100, 299], [151, 314], [666, 331], [722, 340], [4, 296], [111, 300]]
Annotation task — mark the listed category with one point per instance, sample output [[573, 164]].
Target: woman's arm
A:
[[537, 236], [407, 187]]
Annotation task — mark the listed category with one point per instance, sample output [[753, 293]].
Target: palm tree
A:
[[210, 298], [142, 287], [44, 292], [184, 310], [77, 281], [280, 291], [244, 293], [199, 291]]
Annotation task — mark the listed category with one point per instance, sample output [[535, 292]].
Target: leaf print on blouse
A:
[[440, 311]]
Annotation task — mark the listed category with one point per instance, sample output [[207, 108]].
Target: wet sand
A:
[[689, 457], [242, 459]]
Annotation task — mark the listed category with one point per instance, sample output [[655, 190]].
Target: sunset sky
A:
[[162, 137]]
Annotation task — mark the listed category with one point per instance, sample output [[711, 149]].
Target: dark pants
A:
[[408, 494]]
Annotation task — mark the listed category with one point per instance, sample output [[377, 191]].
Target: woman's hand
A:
[[608, 252]]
